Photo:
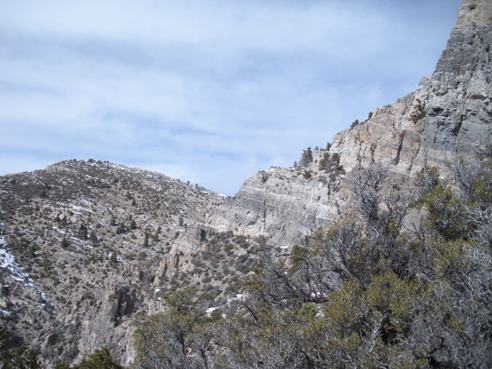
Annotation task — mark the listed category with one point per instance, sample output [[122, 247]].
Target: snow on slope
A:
[[7, 262]]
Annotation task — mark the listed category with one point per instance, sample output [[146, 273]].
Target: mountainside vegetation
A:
[[403, 280], [372, 253], [376, 290]]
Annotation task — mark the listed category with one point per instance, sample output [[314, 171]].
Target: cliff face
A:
[[449, 115], [282, 205]]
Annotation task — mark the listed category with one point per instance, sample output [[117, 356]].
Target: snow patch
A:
[[80, 209], [58, 230], [238, 297], [210, 310], [318, 295], [7, 261]]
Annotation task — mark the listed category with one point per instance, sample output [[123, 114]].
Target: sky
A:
[[209, 91]]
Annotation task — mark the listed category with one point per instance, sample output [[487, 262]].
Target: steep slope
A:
[[449, 115], [88, 247]]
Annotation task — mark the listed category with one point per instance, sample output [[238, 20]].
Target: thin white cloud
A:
[[208, 90], [273, 26]]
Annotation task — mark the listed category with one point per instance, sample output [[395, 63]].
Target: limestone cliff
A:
[[449, 115]]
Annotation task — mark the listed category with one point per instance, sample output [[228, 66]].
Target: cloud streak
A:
[[209, 91]]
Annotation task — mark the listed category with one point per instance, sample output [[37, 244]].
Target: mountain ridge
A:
[[446, 117], [103, 243]]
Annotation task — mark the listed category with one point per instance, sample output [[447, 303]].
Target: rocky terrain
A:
[[88, 248], [448, 116]]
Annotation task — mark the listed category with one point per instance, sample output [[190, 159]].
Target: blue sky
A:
[[209, 91]]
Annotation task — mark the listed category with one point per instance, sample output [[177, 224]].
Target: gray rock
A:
[[448, 116]]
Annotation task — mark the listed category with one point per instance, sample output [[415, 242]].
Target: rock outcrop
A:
[[86, 247], [449, 115], [283, 204]]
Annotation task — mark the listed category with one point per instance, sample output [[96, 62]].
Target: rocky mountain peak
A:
[[475, 12], [448, 116]]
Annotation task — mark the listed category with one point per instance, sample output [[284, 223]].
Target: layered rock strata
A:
[[449, 115]]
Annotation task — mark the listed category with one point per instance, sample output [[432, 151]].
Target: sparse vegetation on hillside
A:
[[370, 292], [330, 163], [101, 359], [373, 291], [13, 354], [306, 157]]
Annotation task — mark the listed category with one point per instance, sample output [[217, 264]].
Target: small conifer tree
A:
[[146, 239], [306, 157], [93, 237], [82, 234], [65, 243]]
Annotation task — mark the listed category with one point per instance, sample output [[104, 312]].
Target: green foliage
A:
[[449, 257], [83, 232], [101, 359], [330, 163], [426, 180], [306, 157], [62, 366], [446, 212], [367, 293], [475, 181], [19, 358], [14, 355], [307, 174], [482, 189], [167, 340], [64, 243]]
